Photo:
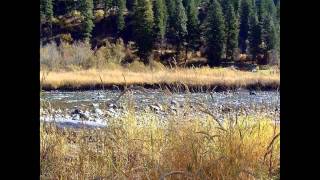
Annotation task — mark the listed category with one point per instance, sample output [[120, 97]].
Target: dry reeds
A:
[[179, 148], [191, 77]]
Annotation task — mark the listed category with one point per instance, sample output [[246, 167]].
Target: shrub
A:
[[50, 56], [155, 65], [99, 14], [66, 38], [79, 54], [76, 13], [136, 66], [111, 53]]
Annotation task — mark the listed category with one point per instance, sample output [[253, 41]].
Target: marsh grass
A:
[[179, 148], [191, 77]]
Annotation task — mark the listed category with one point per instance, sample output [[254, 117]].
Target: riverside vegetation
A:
[[76, 66], [179, 147]]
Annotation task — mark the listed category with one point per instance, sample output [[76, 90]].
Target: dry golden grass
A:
[[191, 77], [179, 148]]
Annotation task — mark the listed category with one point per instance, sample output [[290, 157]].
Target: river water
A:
[[91, 108]]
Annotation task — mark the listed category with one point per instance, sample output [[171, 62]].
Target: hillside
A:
[[249, 30]]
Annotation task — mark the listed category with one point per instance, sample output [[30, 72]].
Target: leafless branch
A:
[[207, 111], [162, 177]]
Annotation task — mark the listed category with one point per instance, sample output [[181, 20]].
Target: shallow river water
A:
[[91, 108]]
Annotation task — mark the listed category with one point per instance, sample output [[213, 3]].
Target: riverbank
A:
[[195, 78]]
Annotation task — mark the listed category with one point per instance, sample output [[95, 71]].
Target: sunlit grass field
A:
[[190, 76]]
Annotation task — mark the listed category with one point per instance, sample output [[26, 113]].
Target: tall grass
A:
[[179, 148], [191, 77]]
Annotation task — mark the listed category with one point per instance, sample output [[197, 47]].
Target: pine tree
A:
[[277, 24], [255, 36], [269, 34], [160, 20], [120, 23], [180, 25], [130, 4], [87, 11], [170, 4], [278, 11], [215, 33], [245, 11], [265, 8], [185, 3], [236, 6], [42, 10], [46, 10], [107, 5], [143, 29], [134, 8], [193, 37], [232, 30]]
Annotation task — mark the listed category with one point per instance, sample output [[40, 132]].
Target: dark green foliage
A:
[[245, 11], [255, 36], [265, 8], [232, 30], [179, 24], [130, 4], [143, 34], [170, 4], [193, 37], [160, 21], [107, 5], [236, 6], [185, 3], [87, 12], [46, 10], [120, 23], [278, 11], [269, 33], [215, 34]]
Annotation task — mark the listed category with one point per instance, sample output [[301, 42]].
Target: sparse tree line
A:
[[225, 28]]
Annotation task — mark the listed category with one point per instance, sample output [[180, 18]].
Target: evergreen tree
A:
[[193, 37], [265, 8], [180, 25], [107, 5], [120, 23], [46, 10], [236, 6], [269, 34], [245, 11], [277, 25], [87, 12], [278, 11], [170, 4], [143, 29], [160, 20], [130, 4], [232, 30], [185, 3], [255, 36], [215, 33], [134, 7], [197, 2], [42, 11]]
